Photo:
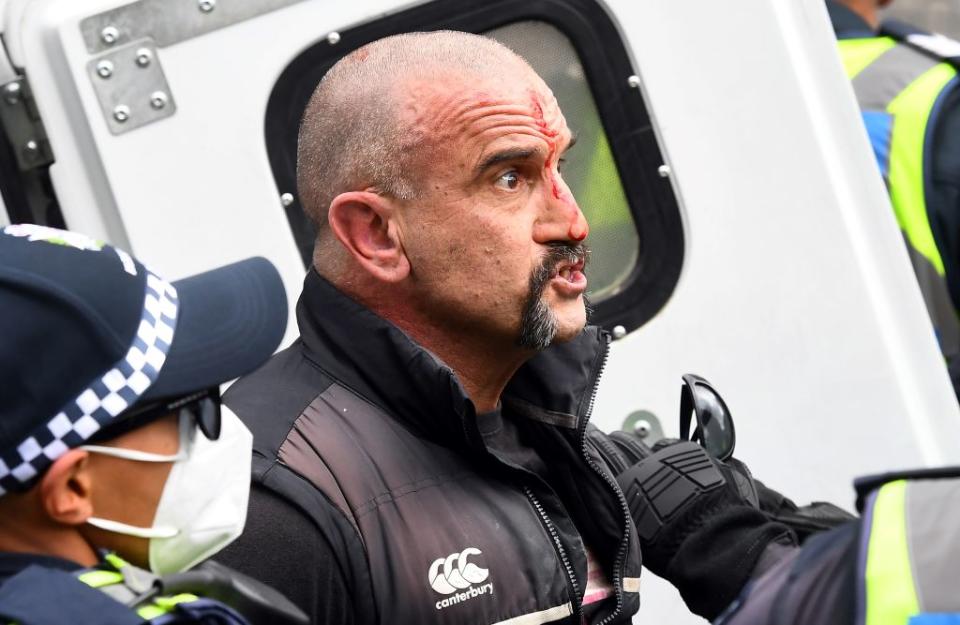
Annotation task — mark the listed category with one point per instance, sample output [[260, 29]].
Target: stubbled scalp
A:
[[356, 132]]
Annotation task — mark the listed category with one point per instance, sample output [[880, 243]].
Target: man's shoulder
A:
[[288, 372], [283, 518], [273, 397], [291, 527]]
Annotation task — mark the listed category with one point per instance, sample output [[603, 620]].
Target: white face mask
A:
[[203, 506]]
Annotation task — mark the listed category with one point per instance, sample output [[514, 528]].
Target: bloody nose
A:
[[579, 228]]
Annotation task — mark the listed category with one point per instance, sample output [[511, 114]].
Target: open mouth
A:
[[570, 274], [569, 271]]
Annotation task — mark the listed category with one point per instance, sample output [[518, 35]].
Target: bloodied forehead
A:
[[479, 110]]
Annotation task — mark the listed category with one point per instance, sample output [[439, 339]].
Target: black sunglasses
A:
[[202, 406], [714, 431]]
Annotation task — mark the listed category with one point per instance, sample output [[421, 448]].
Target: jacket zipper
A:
[[610, 455], [620, 560], [571, 576]]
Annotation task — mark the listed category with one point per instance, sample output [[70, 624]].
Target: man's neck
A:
[[32, 538], [865, 9], [483, 367]]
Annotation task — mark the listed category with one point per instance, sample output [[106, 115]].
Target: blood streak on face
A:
[[576, 232]]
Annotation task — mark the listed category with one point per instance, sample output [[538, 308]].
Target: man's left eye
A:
[[509, 181]]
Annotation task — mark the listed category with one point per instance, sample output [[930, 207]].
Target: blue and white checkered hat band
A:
[[97, 406]]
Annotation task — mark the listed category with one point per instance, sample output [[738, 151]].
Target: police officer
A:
[[118, 471], [906, 83], [897, 565]]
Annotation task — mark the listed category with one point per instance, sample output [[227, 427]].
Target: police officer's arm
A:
[[815, 584], [897, 563], [282, 547], [944, 204]]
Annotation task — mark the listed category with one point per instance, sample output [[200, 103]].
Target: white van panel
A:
[[796, 299]]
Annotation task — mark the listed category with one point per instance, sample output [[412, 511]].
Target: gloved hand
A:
[[699, 523]]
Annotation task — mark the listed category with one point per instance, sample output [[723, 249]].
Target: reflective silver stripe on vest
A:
[[120, 593], [933, 535], [882, 81]]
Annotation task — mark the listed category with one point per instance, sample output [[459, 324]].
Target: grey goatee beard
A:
[[538, 324]]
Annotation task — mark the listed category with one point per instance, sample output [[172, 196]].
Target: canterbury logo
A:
[[456, 572]]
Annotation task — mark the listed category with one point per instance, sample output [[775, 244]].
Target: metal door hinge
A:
[[22, 125]]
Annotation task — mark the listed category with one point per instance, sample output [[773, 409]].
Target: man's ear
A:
[[365, 224], [65, 490]]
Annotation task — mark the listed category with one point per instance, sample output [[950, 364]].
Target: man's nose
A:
[[579, 229], [563, 219]]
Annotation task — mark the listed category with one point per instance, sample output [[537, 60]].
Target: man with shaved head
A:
[[422, 452], [408, 163]]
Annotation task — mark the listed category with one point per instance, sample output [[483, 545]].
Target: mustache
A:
[[557, 252]]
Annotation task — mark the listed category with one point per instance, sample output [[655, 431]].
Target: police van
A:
[[739, 226]]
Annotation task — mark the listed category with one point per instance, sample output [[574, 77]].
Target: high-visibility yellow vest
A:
[[911, 554], [898, 88], [111, 581]]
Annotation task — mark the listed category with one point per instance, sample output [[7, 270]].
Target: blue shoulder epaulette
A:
[[869, 483], [935, 45]]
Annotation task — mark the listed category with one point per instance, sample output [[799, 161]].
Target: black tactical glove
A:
[[699, 523]]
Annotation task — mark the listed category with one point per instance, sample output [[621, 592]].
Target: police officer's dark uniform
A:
[[93, 345], [897, 565], [45, 590]]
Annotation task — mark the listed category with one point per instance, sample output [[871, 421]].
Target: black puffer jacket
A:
[[374, 440]]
